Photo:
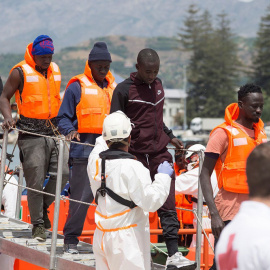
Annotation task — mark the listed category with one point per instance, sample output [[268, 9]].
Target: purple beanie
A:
[[100, 52], [43, 44]]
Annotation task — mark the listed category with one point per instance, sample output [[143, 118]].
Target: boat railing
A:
[[58, 197]]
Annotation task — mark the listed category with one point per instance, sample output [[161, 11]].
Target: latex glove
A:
[[166, 168]]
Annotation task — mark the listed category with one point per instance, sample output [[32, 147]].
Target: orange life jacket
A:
[[95, 102], [40, 97], [231, 174], [185, 217]]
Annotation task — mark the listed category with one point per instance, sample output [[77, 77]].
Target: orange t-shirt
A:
[[228, 203]]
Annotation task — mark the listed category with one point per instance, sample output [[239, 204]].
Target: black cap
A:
[[100, 52]]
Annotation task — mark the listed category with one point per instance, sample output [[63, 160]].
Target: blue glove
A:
[[165, 167]]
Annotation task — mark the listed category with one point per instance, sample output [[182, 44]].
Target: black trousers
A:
[[167, 213], [79, 190]]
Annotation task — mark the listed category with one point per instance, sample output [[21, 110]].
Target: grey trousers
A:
[[79, 190], [39, 156]]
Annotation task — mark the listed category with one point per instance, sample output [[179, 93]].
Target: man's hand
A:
[[217, 225], [73, 134], [179, 158], [8, 123], [177, 143]]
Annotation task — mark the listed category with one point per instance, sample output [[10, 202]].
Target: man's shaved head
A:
[[147, 56]]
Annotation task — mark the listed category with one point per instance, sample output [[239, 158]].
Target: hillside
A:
[[70, 22], [124, 50]]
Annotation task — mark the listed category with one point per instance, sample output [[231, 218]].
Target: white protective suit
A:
[[9, 199], [122, 238], [245, 242], [187, 183]]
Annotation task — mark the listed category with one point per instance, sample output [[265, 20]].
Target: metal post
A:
[[19, 195], [3, 163], [57, 205], [199, 213], [185, 99]]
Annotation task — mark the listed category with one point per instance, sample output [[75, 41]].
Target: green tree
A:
[[223, 68], [191, 42], [213, 64], [261, 60]]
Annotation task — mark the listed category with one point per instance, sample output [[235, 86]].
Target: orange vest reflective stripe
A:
[[40, 97], [231, 174], [95, 102]]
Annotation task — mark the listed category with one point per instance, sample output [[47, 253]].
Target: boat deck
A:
[[16, 241]]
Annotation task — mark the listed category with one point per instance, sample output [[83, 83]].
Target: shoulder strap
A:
[[103, 190]]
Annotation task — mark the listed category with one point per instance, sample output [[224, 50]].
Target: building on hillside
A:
[[173, 105]]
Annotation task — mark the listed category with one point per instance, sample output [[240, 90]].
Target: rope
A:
[[160, 250], [195, 213], [62, 197], [58, 138], [61, 137], [203, 230]]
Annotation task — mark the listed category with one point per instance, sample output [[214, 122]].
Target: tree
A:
[[224, 65], [213, 64], [261, 60], [194, 38]]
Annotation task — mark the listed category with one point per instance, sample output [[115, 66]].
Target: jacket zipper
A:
[[147, 158], [155, 133]]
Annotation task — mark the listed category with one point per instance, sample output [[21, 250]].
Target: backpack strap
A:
[[103, 190]]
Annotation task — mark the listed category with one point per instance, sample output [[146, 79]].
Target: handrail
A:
[[199, 214], [61, 140], [3, 163], [57, 205]]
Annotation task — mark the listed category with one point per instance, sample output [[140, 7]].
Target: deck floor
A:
[[16, 241]]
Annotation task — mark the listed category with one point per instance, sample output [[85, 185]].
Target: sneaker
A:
[[38, 232], [71, 248], [178, 261], [47, 222]]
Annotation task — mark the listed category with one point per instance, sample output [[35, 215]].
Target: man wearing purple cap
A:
[[36, 84], [86, 102]]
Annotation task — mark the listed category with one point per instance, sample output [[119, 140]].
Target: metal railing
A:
[[58, 197]]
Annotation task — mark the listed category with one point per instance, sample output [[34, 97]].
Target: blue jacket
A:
[[67, 121]]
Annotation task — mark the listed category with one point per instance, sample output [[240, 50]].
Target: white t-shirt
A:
[[244, 243]]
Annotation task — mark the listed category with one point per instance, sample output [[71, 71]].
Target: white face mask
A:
[[191, 165]]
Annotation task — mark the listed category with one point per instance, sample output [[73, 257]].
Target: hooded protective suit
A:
[[122, 238]]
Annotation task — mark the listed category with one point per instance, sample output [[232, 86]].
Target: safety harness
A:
[[103, 190]]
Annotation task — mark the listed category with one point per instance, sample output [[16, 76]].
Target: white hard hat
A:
[[194, 147], [116, 127]]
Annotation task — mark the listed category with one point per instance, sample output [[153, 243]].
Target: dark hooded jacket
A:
[[143, 104]]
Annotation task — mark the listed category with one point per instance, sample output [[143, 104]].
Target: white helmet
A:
[[194, 147], [116, 127]]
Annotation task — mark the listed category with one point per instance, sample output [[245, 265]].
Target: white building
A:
[[174, 104]]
